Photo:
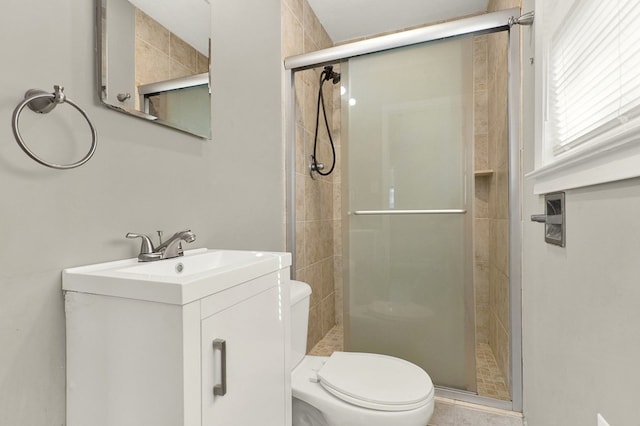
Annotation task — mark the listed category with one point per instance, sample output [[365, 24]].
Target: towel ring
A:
[[43, 102]]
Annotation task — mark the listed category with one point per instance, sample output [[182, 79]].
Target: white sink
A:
[[180, 280]]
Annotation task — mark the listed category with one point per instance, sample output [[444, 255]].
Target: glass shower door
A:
[[407, 128]]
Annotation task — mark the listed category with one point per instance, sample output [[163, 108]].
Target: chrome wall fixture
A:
[[43, 102], [525, 19], [553, 218]]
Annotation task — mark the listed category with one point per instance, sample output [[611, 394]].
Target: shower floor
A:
[[333, 341], [488, 377], [490, 381]]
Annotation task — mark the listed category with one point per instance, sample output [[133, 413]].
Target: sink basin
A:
[[180, 280]]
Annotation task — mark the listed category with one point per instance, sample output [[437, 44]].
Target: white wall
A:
[[581, 304], [143, 177]]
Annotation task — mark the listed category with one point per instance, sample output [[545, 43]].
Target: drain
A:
[[179, 267]]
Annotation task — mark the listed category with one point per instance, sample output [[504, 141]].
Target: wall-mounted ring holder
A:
[[43, 102]]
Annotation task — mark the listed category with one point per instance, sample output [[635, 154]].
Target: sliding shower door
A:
[[407, 139]]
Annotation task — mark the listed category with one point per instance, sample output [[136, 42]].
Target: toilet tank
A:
[[300, 294]]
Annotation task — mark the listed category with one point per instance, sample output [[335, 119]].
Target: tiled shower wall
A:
[[317, 215], [499, 329], [482, 180], [499, 201], [491, 263]]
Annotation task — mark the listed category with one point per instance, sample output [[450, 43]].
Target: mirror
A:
[[153, 61]]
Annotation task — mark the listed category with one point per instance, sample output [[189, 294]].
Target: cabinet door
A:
[[253, 333]]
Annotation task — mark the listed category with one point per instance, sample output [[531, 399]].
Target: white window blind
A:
[[593, 70]]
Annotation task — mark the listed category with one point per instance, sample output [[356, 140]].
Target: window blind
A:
[[593, 71]]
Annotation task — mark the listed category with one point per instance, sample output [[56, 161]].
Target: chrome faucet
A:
[[166, 250]]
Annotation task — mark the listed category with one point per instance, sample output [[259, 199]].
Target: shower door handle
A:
[[397, 212]]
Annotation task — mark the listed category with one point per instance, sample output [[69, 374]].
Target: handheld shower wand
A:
[[327, 74]]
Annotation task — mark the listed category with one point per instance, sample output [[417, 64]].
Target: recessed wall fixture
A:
[[554, 219]]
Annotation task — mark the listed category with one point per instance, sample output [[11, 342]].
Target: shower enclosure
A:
[[409, 118]]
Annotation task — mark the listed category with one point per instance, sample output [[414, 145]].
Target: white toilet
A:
[[349, 388]]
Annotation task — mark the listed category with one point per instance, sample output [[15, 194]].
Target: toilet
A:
[[351, 388]]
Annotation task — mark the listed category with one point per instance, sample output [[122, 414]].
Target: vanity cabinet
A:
[[254, 388], [136, 362]]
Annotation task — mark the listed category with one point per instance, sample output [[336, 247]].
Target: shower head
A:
[[330, 74]]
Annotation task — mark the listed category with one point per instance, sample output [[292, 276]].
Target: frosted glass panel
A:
[[408, 118], [188, 108]]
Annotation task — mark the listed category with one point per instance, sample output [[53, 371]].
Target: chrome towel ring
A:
[[43, 102]]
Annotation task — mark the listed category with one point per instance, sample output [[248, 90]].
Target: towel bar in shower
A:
[[397, 212]]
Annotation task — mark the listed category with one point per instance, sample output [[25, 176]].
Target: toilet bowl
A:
[[351, 388]]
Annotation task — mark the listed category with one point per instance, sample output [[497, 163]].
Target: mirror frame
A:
[[101, 83]]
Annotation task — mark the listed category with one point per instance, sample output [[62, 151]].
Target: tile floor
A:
[[490, 381], [331, 342], [488, 377]]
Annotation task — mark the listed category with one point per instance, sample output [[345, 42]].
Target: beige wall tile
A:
[[308, 43], [481, 149], [183, 53], [300, 255], [150, 31], [179, 70], [481, 202], [327, 277], [482, 324], [161, 55], [502, 301], [314, 333], [312, 26], [481, 279], [296, 8], [481, 239], [339, 291], [502, 245], [291, 33], [314, 279], [202, 63], [328, 313], [480, 112], [318, 240], [337, 237], [151, 64]]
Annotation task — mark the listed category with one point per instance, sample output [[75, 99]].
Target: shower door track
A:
[[480, 24]]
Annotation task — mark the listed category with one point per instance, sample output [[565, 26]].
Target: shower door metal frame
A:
[[481, 24]]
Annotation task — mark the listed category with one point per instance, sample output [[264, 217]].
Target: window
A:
[[588, 73]]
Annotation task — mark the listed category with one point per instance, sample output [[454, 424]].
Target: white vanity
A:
[[197, 340]]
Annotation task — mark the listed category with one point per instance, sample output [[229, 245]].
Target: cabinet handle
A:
[[221, 389]]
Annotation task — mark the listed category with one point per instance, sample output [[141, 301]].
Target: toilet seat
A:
[[377, 382]]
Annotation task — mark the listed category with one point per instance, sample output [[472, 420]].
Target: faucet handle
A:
[[146, 246]]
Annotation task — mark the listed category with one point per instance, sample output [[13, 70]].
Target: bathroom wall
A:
[[316, 217], [581, 340], [143, 177]]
